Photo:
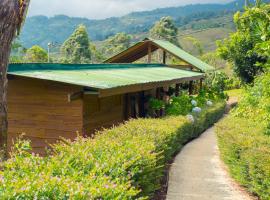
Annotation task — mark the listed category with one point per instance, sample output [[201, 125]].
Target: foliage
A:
[[220, 81], [165, 29], [197, 44], [116, 44], [244, 138], [256, 101], [184, 104], [76, 48], [41, 29], [245, 149], [17, 52], [203, 19], [214, 60], [179, 105], [243, 47], [96, 55], [237, 93], [36, 54], [125, 162], [156, 104]]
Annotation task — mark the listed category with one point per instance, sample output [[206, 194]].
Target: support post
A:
[[177, 90], [141, 104], [158, 96], [149, 53], [126, 106], [201, 84], [190, 87], [164, 57]]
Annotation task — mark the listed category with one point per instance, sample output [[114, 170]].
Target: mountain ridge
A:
[[41, 30]]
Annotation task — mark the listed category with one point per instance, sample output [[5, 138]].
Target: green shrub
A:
[[246, 150], [125, 162], [244, 139], [184, 104], [179, 105]]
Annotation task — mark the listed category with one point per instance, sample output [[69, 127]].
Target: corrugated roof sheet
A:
[[141, 49], [101, 76], [178, 52]]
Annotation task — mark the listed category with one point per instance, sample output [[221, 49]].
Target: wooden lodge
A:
[[50, 101]]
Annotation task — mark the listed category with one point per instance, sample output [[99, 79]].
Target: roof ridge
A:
[[60, 66]]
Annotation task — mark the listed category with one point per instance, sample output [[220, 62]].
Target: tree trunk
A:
[[9, 21]]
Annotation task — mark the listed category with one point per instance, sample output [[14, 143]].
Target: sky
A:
[[100, 9]]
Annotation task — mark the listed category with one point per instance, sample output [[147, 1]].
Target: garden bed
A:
[[125, 162]]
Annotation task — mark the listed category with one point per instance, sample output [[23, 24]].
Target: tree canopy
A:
[[115, 44], [248, 48], [76, 48], [165, 29], [36, 54]]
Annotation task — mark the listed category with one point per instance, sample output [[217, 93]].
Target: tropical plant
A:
[[76, 48], [36, 54], [12, 14]]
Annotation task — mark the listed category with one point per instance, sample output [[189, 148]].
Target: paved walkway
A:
[[198, 174]]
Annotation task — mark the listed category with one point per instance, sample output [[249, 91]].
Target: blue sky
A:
[[99, 9]]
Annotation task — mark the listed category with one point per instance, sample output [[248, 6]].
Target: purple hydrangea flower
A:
[[197, 110]]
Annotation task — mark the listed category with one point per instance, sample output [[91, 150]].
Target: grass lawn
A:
[[235, 93]]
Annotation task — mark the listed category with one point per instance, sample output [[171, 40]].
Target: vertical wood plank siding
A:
[[101, 113], [40, 110]]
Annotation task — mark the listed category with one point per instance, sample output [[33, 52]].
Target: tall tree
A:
[[96, 55], [247, 47], [165, 29], [12, 14], [196, 44], [115, 44], [36, 54], [17, 52], [76, 48]]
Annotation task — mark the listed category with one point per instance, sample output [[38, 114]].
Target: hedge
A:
[[246, 151], [125, 162]]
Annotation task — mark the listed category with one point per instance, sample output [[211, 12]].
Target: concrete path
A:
[[198, 174]]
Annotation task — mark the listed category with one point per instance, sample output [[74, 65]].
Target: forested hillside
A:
[[40, 29]]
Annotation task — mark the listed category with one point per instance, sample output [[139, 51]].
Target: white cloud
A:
[[97, 9]]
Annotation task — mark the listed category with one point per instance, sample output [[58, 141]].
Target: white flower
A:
[[209, 103], [197, 110], [191, 118], [194, 103]]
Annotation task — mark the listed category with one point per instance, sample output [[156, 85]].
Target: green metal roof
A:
[[101, 76], [141, 49], [183, 55]]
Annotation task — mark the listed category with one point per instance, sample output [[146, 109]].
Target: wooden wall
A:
[[40, 109], [102, 112]]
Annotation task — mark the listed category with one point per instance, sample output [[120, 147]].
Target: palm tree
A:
[[12, 14]]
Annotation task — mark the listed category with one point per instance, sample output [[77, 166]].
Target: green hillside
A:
[[40, 29]]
